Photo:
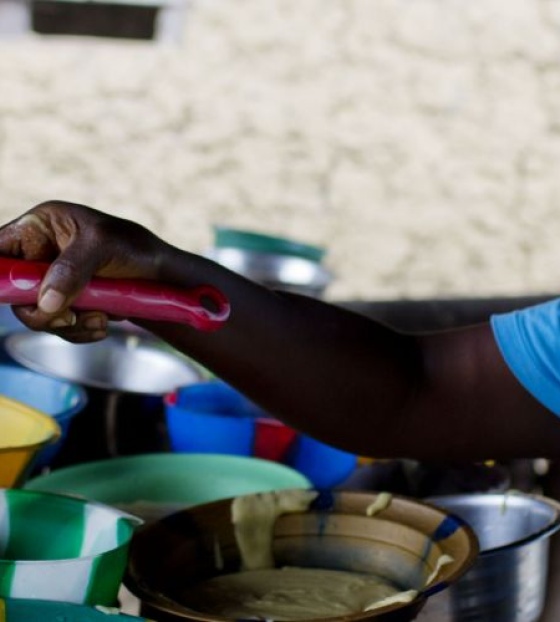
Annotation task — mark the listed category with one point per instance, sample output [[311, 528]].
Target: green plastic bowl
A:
[[55, 547], [153, 485]]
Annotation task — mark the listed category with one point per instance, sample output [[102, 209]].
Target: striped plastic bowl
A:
[[60, 548]]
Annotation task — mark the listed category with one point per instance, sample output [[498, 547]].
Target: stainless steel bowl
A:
[[508, 581], [285, 272], [124, 362]]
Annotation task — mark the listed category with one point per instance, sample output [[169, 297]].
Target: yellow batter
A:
[[253, 518], [291, 594]]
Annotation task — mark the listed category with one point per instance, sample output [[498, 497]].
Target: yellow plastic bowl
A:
[[25, 431]]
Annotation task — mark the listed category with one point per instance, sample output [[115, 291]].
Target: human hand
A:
[[79, 242]]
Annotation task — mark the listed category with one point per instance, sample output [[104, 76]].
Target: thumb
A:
[[66, 277]]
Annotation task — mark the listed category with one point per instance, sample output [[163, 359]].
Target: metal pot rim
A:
[[545, 532]]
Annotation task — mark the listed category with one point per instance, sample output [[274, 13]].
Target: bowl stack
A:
[[276, 262]]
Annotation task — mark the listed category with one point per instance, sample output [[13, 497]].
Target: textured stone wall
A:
[[419, 140]]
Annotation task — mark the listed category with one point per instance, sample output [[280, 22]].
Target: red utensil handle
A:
[[204, 307]]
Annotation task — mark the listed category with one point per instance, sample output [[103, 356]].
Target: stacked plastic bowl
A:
[[59, 556], [59, 400], [212, 417]]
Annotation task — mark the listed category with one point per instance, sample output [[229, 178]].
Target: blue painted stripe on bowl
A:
[[448, 526]]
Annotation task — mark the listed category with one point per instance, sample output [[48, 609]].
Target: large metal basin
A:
[[508, 581]]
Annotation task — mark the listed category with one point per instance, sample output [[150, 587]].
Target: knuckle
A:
[[63, 270]]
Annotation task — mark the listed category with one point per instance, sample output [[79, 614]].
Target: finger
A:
[[89, 326], [73, 326], [66, 278], [27, 237], [65, 320], [77, 336]]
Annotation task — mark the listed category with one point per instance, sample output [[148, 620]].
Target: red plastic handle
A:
[[205, 307]]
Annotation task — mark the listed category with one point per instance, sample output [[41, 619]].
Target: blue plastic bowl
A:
[[212, 417], [60, 399]]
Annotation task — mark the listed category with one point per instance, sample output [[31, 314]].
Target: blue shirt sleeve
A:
[[529, 341]]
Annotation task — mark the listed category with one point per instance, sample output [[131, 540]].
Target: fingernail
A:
[[63, 322], [58, 323], [51, 301], [95, 322]]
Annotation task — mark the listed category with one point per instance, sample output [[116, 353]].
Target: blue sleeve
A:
[[529, 341]]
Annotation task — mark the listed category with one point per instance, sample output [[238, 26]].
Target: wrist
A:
[[181, 268]]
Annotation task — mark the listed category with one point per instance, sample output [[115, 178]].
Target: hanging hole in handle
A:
[[214, 301]]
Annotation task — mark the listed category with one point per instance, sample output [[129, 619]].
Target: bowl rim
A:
[[245, 239], [546, 531], [76, 388]]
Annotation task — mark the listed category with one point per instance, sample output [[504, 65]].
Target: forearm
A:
[[359, 385], [312, 364], [472, 404]]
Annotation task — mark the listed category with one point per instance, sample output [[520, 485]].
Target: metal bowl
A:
[[508, 581], [402, 542], [285, 272], [124, 362]]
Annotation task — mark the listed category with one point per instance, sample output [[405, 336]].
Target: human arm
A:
[[336, 375]]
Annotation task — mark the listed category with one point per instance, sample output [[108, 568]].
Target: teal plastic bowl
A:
[[154, 485], [26, 610], [226, 237]]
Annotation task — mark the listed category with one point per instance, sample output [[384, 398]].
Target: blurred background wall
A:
[[418, 140]]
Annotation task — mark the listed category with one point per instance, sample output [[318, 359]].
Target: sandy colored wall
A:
[[418, 140]]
